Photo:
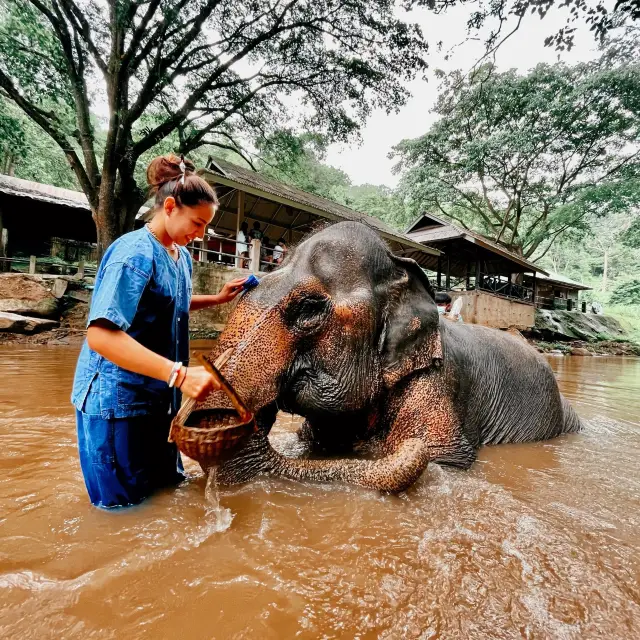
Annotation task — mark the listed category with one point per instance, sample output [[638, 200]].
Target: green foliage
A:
[[190, 74], [299, 160], [627, 293], [631, 237], [524, 159], [629, 318], [27, 152]]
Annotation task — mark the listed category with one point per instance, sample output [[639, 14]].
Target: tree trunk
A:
[[112, 221], [116, 212], [605, 270]]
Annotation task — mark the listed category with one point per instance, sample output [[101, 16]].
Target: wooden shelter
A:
[[283, 212], [491, 279], [554, 291], [40, 219]]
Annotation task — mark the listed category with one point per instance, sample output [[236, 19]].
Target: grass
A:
[[629, 318]]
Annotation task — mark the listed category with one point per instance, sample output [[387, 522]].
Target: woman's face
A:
[[185, 224]]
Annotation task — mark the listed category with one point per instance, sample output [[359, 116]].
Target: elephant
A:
[[347, 335]]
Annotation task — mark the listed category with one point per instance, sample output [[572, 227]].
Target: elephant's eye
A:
[[308, 314]]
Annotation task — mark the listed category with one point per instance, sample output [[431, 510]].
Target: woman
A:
[[242, 248], [132, 366]]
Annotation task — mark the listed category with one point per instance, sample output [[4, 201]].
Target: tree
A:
[[627, 293], [523, 159], [604, 241], [26, 153], [492, 16], [379, 201], [631, 237], [211, 72], [299, 160]]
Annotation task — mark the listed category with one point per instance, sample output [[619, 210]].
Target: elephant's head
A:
[[341, 321]]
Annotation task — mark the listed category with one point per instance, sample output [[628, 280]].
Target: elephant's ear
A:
[[410, 338]]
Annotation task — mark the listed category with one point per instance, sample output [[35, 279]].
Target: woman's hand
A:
[[227, 294], [230, 290], [196, 382]]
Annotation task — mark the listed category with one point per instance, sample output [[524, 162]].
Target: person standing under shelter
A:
[[256, 232], [133, 365], [242, 248]]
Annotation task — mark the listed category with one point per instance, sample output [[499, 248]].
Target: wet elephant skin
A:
[[348, 335]]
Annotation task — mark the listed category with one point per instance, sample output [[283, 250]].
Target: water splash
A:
[[219, 516]]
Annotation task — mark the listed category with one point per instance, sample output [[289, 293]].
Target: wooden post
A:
[[204, 256], [32, 264], [439, 277], [468, 273], [448, 278], [239, 221], [535, 289], [478, 274], [3, 243], [80, 273], [255, 256]]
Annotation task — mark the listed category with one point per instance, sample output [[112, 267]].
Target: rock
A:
[[31, 295], [82, 295], [15, 323], [574, 325], [45, 308], [580, 351], [59, 287], [556, 352]]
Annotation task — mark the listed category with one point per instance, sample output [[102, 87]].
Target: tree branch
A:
[[81, 25], [46, 121]]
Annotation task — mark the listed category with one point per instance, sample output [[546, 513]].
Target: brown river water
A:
[[535, 541]]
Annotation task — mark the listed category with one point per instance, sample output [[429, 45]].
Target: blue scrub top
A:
[[142, 290]]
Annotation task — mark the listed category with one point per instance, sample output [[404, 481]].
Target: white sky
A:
[[368, 162]]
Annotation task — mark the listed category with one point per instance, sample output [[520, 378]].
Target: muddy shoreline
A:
[[72, 334]]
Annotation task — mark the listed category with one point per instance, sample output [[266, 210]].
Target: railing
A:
[[269, 260], [562, 304], [502, 286], [226, 252], [34, 264]]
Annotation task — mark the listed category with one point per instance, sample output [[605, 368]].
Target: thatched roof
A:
[[556, 278], [432, 230], [43, 192], [287, 198]]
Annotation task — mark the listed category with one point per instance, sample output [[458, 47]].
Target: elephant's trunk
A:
[[260, 354]]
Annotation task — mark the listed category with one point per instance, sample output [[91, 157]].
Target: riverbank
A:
[[583, 348], [74, 335], [65, 301]]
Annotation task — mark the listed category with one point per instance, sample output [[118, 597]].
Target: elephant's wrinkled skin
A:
[[348, 336]]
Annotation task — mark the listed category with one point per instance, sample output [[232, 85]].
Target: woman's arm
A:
[[230, 290], [120, 348]]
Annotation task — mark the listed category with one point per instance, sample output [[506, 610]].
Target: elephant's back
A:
[[507, 391]]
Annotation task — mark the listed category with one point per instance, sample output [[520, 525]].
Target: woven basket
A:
[[212, 444], [210, 436]]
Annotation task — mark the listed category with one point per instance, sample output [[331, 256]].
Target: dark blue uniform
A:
[[123, 417]]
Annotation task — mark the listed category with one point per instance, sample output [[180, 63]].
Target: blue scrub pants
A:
[[125, 460]]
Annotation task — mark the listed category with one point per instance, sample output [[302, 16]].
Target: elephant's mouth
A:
[[309, 392]]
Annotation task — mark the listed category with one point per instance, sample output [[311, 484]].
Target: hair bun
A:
[[166, 168]]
